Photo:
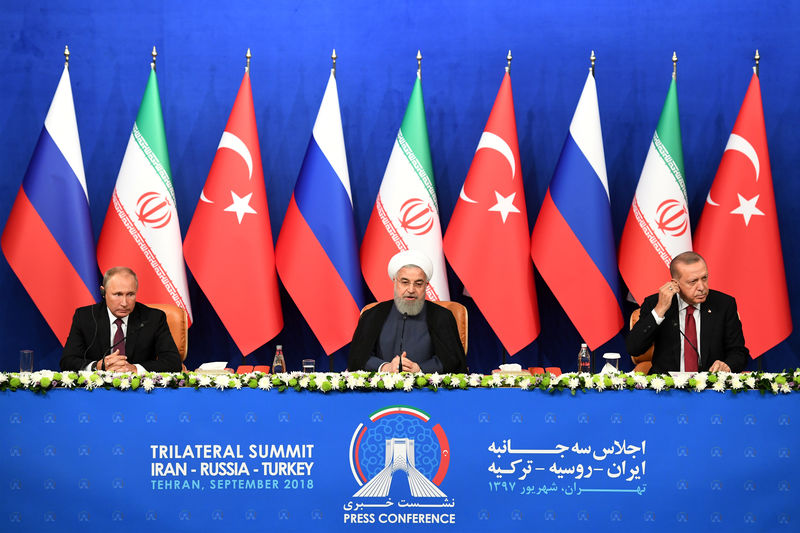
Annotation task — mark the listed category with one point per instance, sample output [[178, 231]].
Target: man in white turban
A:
[[408, 333]]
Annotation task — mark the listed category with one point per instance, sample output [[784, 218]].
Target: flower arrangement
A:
[[325, 382]]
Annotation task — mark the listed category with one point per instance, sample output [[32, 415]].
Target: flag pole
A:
[[419, 64], [154, 54], [247, 57], [592, 58], [757, 57], [674, 65], [508, 66], [66, 56], [333, 63]]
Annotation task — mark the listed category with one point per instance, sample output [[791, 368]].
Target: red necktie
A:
[[119, 338], [690, 355]]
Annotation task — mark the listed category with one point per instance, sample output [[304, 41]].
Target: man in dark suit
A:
[[686, 316], [119, 335], [408, 333]]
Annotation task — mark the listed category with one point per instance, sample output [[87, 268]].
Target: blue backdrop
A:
[[503, 459], [201, 49]]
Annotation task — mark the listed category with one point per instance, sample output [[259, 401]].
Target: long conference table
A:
[[481, 459]]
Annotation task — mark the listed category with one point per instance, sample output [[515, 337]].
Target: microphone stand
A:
[[402, 335]]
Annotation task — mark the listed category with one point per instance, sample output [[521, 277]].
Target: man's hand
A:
[[719, 366], [665, 295], [391, 366], [116, 363], [409, 365]]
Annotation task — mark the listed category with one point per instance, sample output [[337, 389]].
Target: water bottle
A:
[[584, 359], [278, 363]]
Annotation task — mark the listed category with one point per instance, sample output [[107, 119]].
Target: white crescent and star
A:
[[737, 143], [232, 142], [505, 204]]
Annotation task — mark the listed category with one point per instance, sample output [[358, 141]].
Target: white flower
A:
[[750, 382], [701, 385], [3, 378], [408, 384], [719, 386], [510, 381], [640, 380], [148, 384], [304, 381], [474, 380], [617, 382], [573, 383], [785, 388], [601, 385], [108, 377], [680, 381], [524, 383], [66, 380], [496, 380], [204, 380], [221, 381], [373, 381], [774, 386], [237, 384], [352, 382], [657, 384], [389, 380], [435, 379], [124, 384], [335, 383], [45, 374], [736, 382], [769, 375], [25, 379], [265, 383]]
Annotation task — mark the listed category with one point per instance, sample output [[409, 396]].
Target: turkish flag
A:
[[738, 231], [487, 241], [229, 246]]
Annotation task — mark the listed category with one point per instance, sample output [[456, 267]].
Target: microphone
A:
[[675, 323], [111, 349], [402, 334], [94, 337]]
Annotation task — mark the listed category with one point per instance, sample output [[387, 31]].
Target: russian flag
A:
[[573, 240], [48, 238], [317, 253]]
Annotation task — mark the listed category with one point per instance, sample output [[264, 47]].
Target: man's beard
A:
[[410, 308]]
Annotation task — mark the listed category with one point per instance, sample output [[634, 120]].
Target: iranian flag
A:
[[141, 229], [406, 213], [658, 226]]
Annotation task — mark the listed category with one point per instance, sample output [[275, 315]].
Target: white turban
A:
[[410, 257]]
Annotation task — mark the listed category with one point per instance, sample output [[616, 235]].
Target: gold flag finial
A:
[[593, 59], [247, 57], [674, 65], [508, 58], [66, 55], [333, 62], [419, 64], [757, 58], [154, 54]]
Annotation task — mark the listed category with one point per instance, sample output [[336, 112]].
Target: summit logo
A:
[[399, 460]]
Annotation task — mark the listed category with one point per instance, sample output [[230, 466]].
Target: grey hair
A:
[[685, 258], [113, 271]]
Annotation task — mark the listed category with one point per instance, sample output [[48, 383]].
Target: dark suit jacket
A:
[[441, 325], [721, 336], [148, 342]]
